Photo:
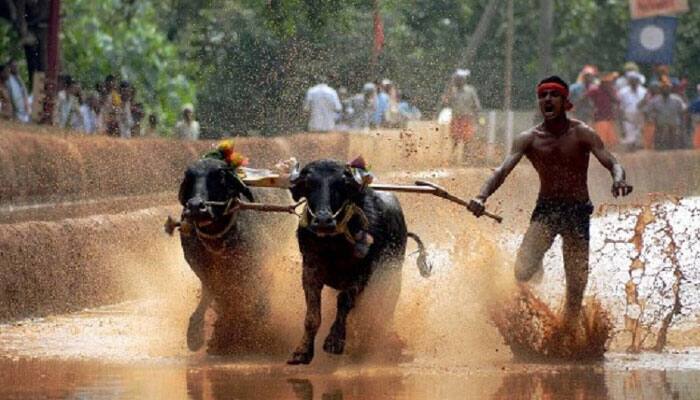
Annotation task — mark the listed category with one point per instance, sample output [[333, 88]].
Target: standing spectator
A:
[[667, 111], [694, 110], [126, 119], [583, 107], [187, 128], [623, 80], [392, 116], [137, 113], [382, 103], [605, 104], [407, 110], [6, 110], [323, 105], [362, 106], [70, 116], [649, 129], [18, 93], [632, 116], [89, 110], [151, 129], [465, 105], [111, 107]]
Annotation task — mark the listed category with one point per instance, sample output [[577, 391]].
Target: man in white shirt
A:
[[18, 93], [323, 105], [632, 116], [187, 128]]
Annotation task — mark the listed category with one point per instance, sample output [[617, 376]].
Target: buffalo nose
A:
[[196, 204], [324, 219]]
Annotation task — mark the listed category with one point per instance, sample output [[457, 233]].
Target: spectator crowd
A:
[[628, 110], [631, 112], [378, 104], [110, 108]]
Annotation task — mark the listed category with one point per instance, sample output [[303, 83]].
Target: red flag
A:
[[378, 31]]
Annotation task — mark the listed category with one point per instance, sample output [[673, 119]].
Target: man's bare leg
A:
[[537, 240], [576, 250]]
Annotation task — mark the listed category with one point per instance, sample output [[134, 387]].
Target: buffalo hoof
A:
[[195, 335], [300, 358], [334, 345]]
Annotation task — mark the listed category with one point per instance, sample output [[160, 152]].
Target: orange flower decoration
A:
[[237, 160], [231, 157]]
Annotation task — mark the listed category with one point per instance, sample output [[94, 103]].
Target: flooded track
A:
[[106, 353], [136, 349], [81, 246]]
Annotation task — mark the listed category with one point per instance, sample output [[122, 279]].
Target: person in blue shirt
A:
[[694, 110]]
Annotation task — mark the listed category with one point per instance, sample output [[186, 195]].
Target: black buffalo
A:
[[225, 250], [349, 234]]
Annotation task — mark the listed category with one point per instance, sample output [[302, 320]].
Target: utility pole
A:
[[510, 35], [545, 37]]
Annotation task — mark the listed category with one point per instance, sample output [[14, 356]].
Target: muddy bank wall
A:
[[36, 168], [62, 260]]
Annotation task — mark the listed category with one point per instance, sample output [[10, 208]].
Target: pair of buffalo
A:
[[348, 233]]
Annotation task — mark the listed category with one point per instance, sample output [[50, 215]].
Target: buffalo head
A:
[[327, 185], [209, 181]]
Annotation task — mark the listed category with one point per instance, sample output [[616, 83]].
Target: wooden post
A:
[[508, 81], [52, 62], [545, 37]]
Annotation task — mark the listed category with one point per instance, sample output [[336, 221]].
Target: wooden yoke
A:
[[269, 179]]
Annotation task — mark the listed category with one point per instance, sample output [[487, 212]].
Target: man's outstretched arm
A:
[[520, 145], [620, 186]]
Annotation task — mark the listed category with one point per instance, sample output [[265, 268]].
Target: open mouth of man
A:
[[549, 109]]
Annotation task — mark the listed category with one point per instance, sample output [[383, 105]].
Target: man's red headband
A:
[[559, 88]]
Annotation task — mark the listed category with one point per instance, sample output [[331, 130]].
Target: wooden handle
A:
[[440, 192]]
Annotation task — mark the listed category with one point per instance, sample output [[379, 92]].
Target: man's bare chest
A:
[[552, 150]]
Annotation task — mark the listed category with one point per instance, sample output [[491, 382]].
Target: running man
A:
[[559, 149]]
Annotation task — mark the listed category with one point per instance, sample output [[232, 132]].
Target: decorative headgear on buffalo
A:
[[225, 151], [554, 83]]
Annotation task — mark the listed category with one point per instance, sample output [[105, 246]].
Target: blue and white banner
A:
[[652, 40]]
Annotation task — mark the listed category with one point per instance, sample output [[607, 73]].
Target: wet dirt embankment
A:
[[55, 257]]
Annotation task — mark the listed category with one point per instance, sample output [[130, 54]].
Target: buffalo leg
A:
[[335, 342], [304, 353], [195, 329]]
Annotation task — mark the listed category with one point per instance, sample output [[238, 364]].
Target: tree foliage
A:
[[252, 61], [101, 37]]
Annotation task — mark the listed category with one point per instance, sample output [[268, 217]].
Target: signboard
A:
[[652, 40], [652, 8]]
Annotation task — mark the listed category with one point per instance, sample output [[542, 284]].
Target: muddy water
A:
[[137, 349]]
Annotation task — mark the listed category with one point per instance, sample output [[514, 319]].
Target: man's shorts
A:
[[565, 217]]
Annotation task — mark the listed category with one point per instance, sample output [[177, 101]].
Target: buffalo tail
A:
[[423, 266]]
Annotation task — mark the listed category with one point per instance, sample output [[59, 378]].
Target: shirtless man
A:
[[559, 149]]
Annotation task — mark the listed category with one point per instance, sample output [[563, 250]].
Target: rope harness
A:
[[348, 210], [232, 206]]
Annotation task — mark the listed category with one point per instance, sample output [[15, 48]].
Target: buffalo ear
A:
[[185, 189], [241, 187], [295, 182], [353, 178]]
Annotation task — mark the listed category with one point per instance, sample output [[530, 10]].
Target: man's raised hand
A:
[[621, 188]]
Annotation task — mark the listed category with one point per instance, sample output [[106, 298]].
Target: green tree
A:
[[124, 38]]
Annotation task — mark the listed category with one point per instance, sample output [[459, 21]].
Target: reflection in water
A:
[[229, 382], [217, 379], [579, 384], [304, 390]]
